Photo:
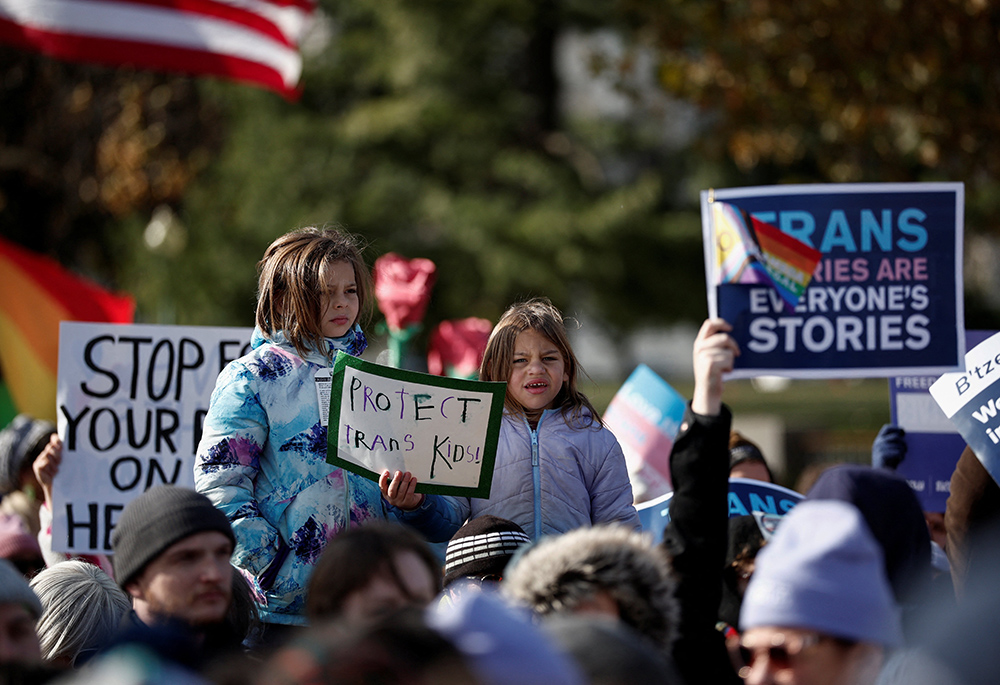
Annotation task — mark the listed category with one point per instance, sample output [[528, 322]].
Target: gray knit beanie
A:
[[823, 571], [157, 519], [14, 589], [21, 440]]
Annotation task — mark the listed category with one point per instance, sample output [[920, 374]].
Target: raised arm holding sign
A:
[[696, 535]]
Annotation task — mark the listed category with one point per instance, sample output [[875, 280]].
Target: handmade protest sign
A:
[[645, 415], [442, 430], [767, 502], [843, 280], [971, 401], [131, 402], [933, 443]]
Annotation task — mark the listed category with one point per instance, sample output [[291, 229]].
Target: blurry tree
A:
[[437, 128], [82, 148], [433, 128], [854, 90]]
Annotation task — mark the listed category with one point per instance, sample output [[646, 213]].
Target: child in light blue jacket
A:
[[557, 466], [262, 455]]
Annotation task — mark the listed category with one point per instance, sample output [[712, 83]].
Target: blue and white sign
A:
[[971, 400], [886, 298], [746, 497]]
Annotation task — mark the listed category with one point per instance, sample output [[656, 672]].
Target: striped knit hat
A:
[[481, 547]]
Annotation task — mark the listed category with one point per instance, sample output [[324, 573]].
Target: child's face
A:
[[537, 371], [339, 304]]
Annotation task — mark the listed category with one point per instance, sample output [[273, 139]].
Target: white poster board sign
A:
[[131, 401], [442, 430]]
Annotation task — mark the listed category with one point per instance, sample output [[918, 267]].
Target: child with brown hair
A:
[[557, 467], [262, 455]]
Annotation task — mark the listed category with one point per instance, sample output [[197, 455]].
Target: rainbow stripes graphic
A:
[[750, 251], [36, 293]]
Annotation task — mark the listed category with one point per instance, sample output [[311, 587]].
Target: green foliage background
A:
[[433, 128]]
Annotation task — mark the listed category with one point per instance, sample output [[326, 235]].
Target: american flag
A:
[[253, 41]]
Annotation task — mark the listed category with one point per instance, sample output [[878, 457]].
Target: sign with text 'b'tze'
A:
[[972, 401], [884, 299], [442, 430], [131, 402]]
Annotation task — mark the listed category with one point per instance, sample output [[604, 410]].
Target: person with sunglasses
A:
[[819, 608]]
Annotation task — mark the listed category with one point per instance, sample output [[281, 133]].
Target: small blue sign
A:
[[886, 298], [746, 496]]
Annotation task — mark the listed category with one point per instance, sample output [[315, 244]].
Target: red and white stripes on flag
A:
[[254, 41]]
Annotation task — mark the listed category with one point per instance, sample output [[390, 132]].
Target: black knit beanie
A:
[[481, 547], [157, 519]]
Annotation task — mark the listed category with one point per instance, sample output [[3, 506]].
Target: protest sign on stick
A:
[[131, 402], [971, 400], [442, 430], [884, 298]]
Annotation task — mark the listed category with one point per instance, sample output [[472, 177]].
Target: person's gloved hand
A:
[[889, 448]]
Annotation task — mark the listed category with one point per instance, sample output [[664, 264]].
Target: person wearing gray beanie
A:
[[819, 608], [21, 441], [20, 609]]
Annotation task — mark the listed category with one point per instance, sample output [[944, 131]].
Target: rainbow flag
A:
[[36, 293], [750, 251]]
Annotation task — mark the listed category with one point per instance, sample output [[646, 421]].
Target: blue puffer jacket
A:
[[550, 480], [262, 461]]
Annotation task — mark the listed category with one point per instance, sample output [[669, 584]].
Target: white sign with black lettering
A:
[[131, 402]]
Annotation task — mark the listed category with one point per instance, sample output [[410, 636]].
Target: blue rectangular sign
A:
[[886, 298]]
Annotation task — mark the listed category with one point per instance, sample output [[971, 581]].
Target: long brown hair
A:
[[538, 314], [292, 277]]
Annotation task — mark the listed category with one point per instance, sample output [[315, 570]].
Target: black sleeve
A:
[[695, 539]]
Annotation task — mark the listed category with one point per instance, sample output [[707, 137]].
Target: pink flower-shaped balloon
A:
[[456, 347], [403, 289]]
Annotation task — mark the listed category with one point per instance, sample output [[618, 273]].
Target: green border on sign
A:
[[497, 390]]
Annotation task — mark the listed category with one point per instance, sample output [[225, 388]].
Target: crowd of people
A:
[[279, 567]]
